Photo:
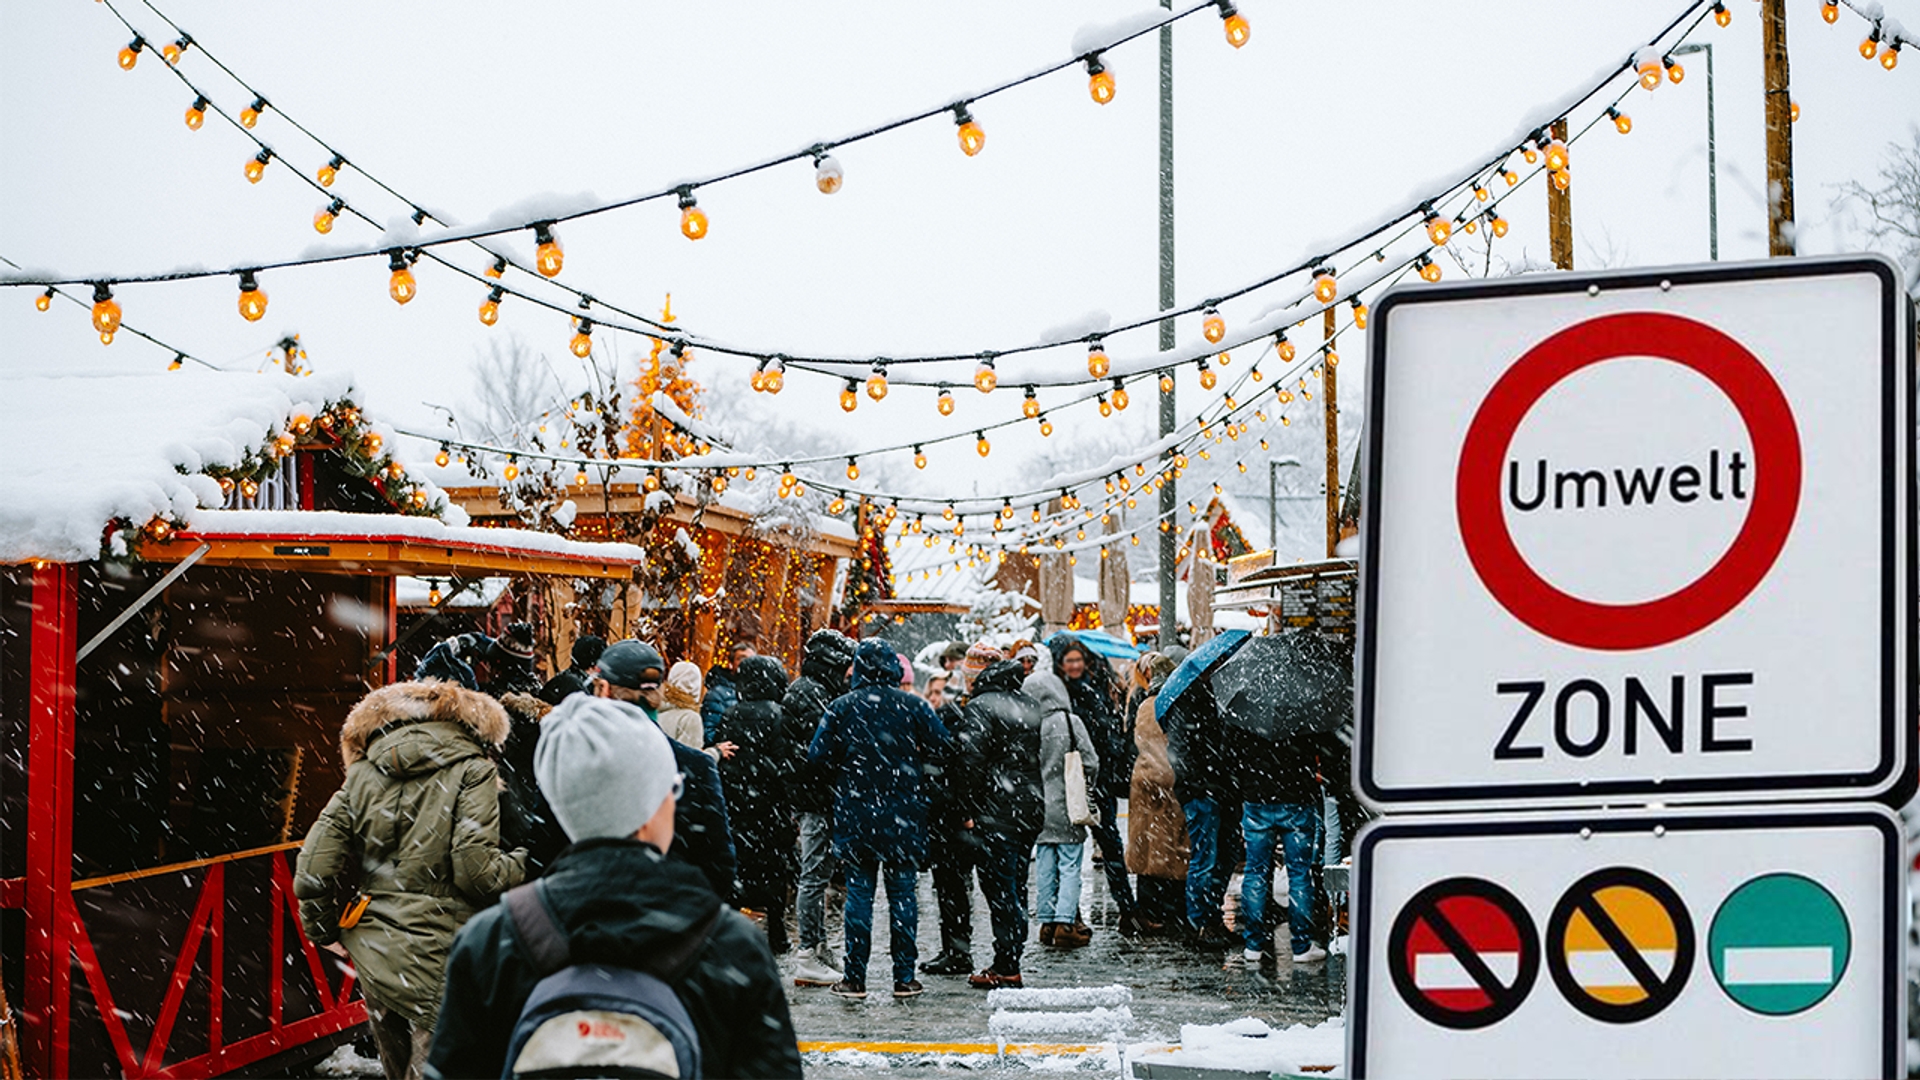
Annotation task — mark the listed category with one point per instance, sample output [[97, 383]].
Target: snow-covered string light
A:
[[817, 153], [1885, 34]]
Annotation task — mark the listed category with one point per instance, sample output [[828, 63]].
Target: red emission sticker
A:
[[1463, 953], [1776, 497]]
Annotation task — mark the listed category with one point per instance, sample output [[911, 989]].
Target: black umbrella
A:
[[1286, 685]]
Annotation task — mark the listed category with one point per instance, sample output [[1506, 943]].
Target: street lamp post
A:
[[1713, 175]]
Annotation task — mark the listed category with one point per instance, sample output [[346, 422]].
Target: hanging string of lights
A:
[[403, 287], [1885, 35], [109, 324]]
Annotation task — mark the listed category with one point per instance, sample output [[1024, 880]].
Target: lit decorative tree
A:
[[649, 435]]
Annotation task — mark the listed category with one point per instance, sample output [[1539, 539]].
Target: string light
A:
[[1721, 15], [1675, 73], [1621, 121], [1498, 224], [130, 55], [1097, 362], [445, 455], [984, 377], [1120, 398], [582, 343], [44, 300], [1793, 112], [330, 171], [1512, 178], [980, 445], [253, 302], [1207, 377], [826, 174], [850, 395], [1438, 230], [693, 220], [1166, 383], [1562, 180], [400, 284], [945, 402], [580, 477], [496, 270], [919, 457], [1213, 327], [1046, 426], [1557, 157], [1030, 404], [853, 469], [1325, 288], [323, 217], [490, 307], [1099, 80], [877, 383], [106, 313], [1359, 323], [548, 256], [1235, 24], [1891, 57], [972, 138], [1429, 270], [257, 166], [776, 375], [197, 113], [512, 470], [1283, 348], [1830, 11], [173, 52], [1106, 407], [1650, 74], [250, 115]]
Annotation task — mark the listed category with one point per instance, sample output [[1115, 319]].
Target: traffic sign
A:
[[1626, 534], [1686, 942], [1780, 944]]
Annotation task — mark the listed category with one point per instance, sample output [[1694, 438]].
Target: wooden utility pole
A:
[[1779, 113], [1560, 213], [1329, 377], [1168, 635]]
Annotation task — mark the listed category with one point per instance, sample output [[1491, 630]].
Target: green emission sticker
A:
[[1779, 944]]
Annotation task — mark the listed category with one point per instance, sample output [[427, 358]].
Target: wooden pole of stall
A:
[[1329, 377], [1560, 214], [1779, 114], [49, 880]]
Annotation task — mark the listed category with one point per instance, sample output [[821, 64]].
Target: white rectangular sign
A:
[[1685, 943], [1640, 536]]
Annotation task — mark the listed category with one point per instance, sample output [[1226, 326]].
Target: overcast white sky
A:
[[1328, 117]]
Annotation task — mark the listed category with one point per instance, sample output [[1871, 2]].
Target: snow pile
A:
[[87, 449], [346, 1061], [1249, 1045], [1060, 997], [270, 524], [1003, 1024]]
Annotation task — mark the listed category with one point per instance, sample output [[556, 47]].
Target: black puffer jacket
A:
[[1001, 754], [1093, 702], [756, 779], [621, 904], [823, 677]]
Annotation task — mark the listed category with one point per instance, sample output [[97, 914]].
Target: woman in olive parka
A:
[[407, 851]]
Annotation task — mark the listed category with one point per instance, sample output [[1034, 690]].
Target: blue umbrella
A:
[[1196, 666], [1107, 645]]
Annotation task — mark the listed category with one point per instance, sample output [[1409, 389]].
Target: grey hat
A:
[[634, 665], [604, 767]]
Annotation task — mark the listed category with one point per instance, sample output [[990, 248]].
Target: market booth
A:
[[184, 623]]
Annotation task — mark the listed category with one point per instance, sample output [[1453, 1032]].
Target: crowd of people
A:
[[650, 831]]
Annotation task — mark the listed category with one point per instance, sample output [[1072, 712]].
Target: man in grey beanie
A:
[[610, 776]]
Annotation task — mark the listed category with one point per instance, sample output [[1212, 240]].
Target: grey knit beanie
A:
[[604, 767]]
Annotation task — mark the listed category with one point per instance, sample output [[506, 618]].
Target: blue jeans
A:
[[1296, 827], [903, 911], [1057, 896], [1206, 884]]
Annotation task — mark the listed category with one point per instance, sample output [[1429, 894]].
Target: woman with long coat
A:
[[755, 778], [407, 851], [1061, 849], [1156, 825]]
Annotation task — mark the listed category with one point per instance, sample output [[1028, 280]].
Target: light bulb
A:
[[1721, 15], [759, 379], [323, 217], [1621, 121], [1236, 26], [919, 458], [548, 256], [106, 313], [130, 55], [1563, 180], [945, 402], [1030, 405], [1480, 193], [1890, 58], [1830, 11], [250, 115], [1036, 512], [1429, 270], [1099, 81], [511, 472], [1676, 74], [1324, 287], [1120, 397], [1097, 363], [1333, 360], [330, 171], [850, 396], [253, 302], [984, 377], [719, 483], [1557, 156], [972, 138], [580, 477], [1359, 319], [442, 457], [1284, 349], [853, 470], [197, 113], [837, 506], [827, 175], [1498, 224], [1166, 383], [1213, 327], [1793, 112], [1046, 427], [1649, 77], [400, 285], [1106, 407], [1530, 154], [1207, 377], [1438, 230], [257, 166], [1510, 177], [693, 220], [877, 384], [981, 446], [44, 300], [496, 271], [582, 343], [490, 307], [174, 50]]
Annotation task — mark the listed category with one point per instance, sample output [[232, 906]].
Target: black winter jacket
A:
[[1202, 768], [1000, 758], [702, 834], [1272, 770], [823, 677], [756, 779], [620, 902]]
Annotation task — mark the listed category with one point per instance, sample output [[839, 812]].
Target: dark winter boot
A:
[[951, 961], [1047, 931]]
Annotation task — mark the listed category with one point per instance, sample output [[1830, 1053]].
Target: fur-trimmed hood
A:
[[418, 708]]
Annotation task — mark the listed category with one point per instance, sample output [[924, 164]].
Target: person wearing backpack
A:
[[620, 961]]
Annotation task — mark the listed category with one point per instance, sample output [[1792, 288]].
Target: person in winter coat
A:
[[875, 742], [1156, 826], [1204, 783], [1000, 760], [956, 848], [611, 777], [720, 697], [525, 818], [1061, 847], [578, 678], [824, 663], [680, 710], [1281, 806], [755, 777], [632, 671], [406, 851], [1095, 701]]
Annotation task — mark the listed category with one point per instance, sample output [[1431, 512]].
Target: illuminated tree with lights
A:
[[650, 435]]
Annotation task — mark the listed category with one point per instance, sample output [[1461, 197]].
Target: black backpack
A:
[[597, 1020]]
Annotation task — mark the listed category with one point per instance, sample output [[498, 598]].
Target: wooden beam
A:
[[50, 724], [1779, 114], [1559, 215]]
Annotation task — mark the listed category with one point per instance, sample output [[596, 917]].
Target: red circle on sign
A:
[[1776, 497], [1463, 953]]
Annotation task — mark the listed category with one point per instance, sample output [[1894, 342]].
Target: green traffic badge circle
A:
[[1779, 944]]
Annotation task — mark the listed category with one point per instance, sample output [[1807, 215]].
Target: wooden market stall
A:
[[183, 626]]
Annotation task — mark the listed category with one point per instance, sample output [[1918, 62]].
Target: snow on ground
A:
[[346, 1061], [1250, 1045]]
